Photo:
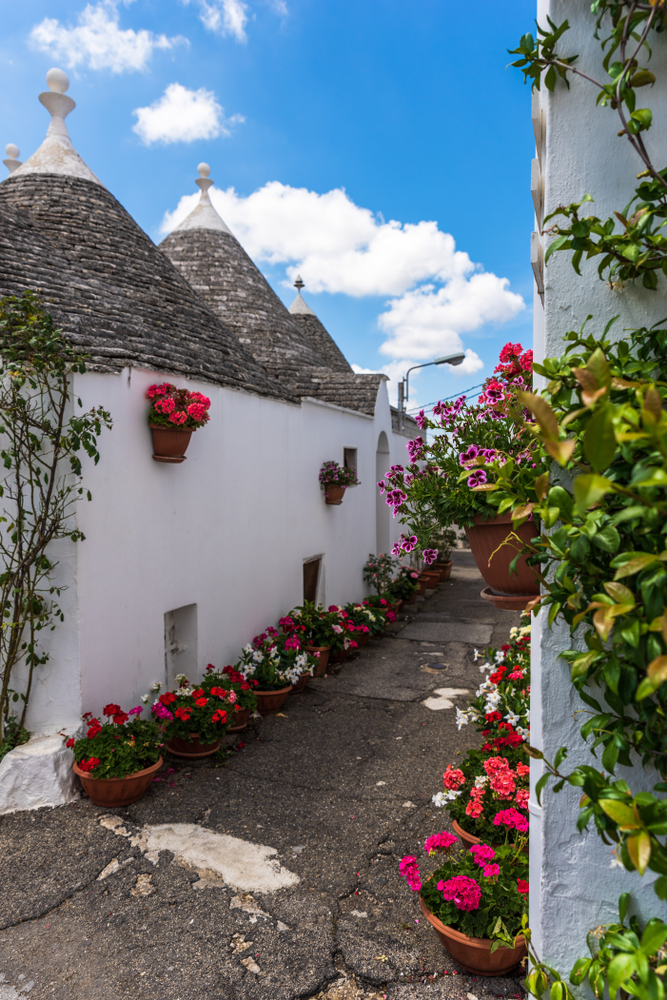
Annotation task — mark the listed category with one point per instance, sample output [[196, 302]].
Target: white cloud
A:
[[97, 41], [183, 115], [435, 292], [224, 17]]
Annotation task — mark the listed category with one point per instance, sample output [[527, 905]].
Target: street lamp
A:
[[449, 359]]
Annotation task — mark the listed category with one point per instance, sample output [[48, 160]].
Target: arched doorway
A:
[[382, 515]]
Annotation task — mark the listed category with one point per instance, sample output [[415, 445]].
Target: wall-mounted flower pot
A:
[[191, 748], [269, 702], [117, 792], [484, 538], [169, 445], [322, 659], [333, 495], [474, 954]]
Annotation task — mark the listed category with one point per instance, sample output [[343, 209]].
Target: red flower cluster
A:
[[88, 765], [237, 678], [522, 886], [178, 406], [219, 716], [167, 698], [183, 713]]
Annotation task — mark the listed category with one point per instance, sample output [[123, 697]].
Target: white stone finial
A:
[[56, 155], [299, 306], [298, 284], [203, 170], [57, 80], [12, 162], [203, 216]]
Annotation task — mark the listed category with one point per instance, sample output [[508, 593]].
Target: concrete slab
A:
[[452, 631]]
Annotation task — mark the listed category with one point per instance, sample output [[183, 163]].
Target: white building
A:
[[183, 564], [574, 885]]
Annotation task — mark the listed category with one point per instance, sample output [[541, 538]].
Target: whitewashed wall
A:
[[227, 530], [572, 885]]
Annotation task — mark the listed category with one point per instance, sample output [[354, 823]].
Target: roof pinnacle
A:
[[299, 306], [12, 161], [56, 155], [203, 215]]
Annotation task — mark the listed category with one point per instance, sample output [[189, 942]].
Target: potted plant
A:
[[360, 620], [315, 627], [378, 572], [405, 585], [444, 540], [334, 480], [194, 720], [174, 414], [475, 900], [382, 608], [246, 702], [276, 661], [116, 760], [470, 444]]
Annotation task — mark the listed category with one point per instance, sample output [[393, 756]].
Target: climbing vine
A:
[[42, 437]]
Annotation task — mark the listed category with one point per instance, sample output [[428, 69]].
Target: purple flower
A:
[[488, 454], [477, 478], [429, 556], [420, 420], [416, 449], [469, 456], [396, 551], [136, 711], [161, 712], [408, 544], [381, 486]]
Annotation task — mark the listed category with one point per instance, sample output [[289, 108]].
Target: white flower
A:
[[492, 701], [513, 718], [180, 678], [257, 656], [144, 699], [462, 718], [499, 656], [155, 686], [485, 666], [523, 733], [301, 660], [439, 800], [527, 715], [451, 794], [247, 649], [476, 655], [481, 780]]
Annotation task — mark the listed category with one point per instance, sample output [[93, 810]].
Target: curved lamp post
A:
[[449, 359]]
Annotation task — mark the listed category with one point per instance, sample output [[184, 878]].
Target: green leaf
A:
[[654, 936], [599, 439], [589, 489], [620, 968], [623, 905], [621, 813]]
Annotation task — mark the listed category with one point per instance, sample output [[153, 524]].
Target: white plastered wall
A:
[[573, 886], [227, 530]]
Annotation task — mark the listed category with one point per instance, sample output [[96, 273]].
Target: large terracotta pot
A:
[[300, 684], [469, 840], [445, 570], [474, 954], [240, 719], [339, 656], [116, 792], [423, 581], [484, 538], [191, 748], [322, 659], [361, 639], [269, 702], [431, 576], [170, 445], [334, 494]]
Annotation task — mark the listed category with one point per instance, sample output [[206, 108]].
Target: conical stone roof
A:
[[218, 268], [107, 285], [316, 332]]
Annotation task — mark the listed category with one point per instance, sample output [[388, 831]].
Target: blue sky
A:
[[355, 142]]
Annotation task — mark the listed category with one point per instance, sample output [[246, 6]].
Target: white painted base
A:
[[37, 774]]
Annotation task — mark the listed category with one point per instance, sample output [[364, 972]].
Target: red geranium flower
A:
[[166, 699], [183, 713], [110, 709], [522, 886], [120, 718], [89, 765], [200, 702], [70, 743], [93, 729], [219, 716]]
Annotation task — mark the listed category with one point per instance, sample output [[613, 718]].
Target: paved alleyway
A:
[[339, 786]]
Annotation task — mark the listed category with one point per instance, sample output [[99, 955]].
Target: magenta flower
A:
[[491, 870], [137, 710], [420, 420], [409, 870], [478, 478], [416, 449], [408, 544], [440, 842], [464, 892], [511, 818], [482, 854], [429, 556], [468, 456]]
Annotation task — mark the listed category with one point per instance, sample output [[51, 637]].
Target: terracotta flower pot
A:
[[361, 639], [474, 954], [322, 659], [484, 538], [300, 684], [333, 494], [269, 702], [170, 444], [116, 792], [422, 583], [434, 577], [469, 840], [445, 570], [339, 655], [191, 748], [240, 719]]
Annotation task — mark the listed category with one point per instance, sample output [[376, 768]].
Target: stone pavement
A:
[[275, 876]]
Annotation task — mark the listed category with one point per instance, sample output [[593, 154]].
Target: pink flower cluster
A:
[[416, 449], [482, 854], [501, 777], [453, 778], [474, 809], [409, 870], [513, 819], [464, 892], [440, 842]]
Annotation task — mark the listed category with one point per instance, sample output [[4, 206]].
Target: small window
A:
[[180, 644], [311, 578], [350, 458]]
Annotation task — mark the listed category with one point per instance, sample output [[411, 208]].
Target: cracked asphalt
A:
[[340, 786]]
